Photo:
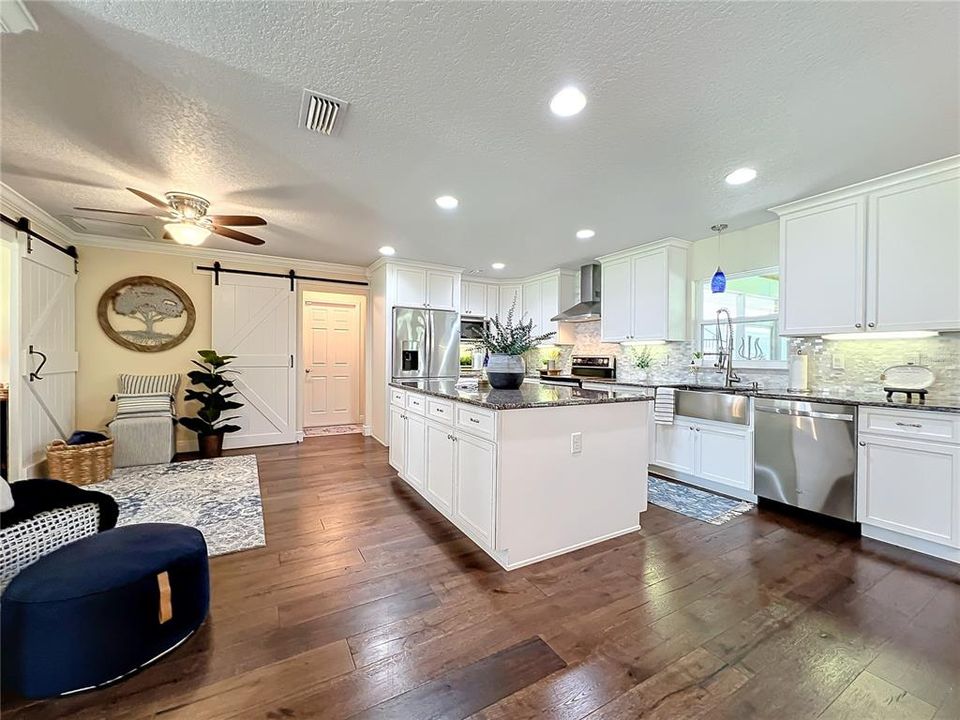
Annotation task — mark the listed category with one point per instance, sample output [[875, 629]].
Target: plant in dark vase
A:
[[506, 342], [215, 399]]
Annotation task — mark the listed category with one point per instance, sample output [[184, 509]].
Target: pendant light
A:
[[719, 282]]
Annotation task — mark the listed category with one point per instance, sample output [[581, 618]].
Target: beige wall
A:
[[738, 251], [101, 360]]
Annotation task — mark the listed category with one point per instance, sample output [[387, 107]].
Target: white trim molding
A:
[[15, 18]]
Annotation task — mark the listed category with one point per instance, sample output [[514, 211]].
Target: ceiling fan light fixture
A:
[[186, 233]]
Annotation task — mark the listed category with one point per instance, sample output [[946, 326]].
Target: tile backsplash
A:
[[851, 365]]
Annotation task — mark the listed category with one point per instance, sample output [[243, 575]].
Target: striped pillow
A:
[[143, 404], [145, 384]]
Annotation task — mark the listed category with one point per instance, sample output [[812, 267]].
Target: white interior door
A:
[[254, 318], [331, 361], [44, 372]]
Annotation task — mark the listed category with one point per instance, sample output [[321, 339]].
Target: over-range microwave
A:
[[471, 328]]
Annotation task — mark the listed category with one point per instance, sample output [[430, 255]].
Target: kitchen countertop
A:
[[530, 395], [868, 399]]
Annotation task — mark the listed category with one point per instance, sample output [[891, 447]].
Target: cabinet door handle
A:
[[474, 420], [858, 325], [862, 443], [871, 324], [913, 425]]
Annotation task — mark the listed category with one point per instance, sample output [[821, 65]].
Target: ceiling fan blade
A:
[[236, 235], [114, 212], [149, 198], [237, 220]]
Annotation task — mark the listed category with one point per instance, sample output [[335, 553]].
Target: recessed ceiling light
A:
[[568, 101], [585, 234], [387, 250], [497, 266], [741, 176], [447, 202]]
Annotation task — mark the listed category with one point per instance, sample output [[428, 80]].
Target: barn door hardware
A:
[[35, 375]]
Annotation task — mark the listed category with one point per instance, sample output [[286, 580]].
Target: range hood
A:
[[589, 306]]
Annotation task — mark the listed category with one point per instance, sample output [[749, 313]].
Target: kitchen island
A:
[[526, 474]]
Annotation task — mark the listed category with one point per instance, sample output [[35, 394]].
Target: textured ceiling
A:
[[451, 97]]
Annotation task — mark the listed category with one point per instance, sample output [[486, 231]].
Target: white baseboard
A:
[[586, 543], [945, 552], [367, 430], [300, 436]]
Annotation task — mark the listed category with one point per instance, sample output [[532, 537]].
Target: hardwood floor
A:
[[366, 603]]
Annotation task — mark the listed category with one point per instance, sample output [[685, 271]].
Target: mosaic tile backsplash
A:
[[862, 362]]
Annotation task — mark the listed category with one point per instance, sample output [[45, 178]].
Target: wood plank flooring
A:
[[366, 603]]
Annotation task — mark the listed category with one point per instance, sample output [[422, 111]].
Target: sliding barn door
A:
[[43, 396], [254, 318]]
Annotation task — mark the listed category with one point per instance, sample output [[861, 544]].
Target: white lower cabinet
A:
[[415, 459], [454, 468], [717, 455], [909, 489], [440, 467], [476, 480], [398, 438]]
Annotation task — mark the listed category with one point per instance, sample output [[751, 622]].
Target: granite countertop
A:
[[949, 404], [530, 395]]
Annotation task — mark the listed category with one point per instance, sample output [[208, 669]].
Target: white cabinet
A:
[[913, 236], [910, 487], [421, 287], [398, 438], [543, 297], [883, 255], [415, 458], [508, 296], [493, 301], [440, 467], [908, 479], [476, 481], [645, 293], [717, 455], [474, 298]]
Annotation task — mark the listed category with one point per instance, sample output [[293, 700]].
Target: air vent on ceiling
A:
[[321, 113]]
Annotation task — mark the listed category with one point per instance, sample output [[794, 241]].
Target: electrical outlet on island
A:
[[837, 362], [576, 443]]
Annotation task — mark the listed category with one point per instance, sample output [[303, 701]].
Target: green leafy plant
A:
[[215, 399], [509, 337], [548, 354], [641, 358]]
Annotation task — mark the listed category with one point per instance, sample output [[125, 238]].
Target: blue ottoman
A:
[[102, 607]]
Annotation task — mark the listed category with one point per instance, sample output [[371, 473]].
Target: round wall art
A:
[[147, 314]]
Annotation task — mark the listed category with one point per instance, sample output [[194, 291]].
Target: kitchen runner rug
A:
[[332, 430], [693, 502], [220, 497]]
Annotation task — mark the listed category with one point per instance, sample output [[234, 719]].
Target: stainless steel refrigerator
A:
[[426, 344]]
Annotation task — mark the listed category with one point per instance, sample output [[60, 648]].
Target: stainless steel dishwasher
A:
[[805, 455]]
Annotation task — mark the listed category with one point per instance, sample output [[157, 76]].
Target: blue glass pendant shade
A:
[[719, 282]]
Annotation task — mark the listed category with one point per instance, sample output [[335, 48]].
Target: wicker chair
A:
[[27, 540]]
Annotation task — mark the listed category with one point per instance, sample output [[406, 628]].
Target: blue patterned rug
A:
[[693, 502], [219, 497]]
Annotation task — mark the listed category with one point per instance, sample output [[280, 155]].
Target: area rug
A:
[[693, 502], [219, 497], [332, 430]]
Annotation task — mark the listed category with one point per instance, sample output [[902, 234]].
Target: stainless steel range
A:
[[584, 367]]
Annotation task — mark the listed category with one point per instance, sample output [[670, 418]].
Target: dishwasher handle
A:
[[805, 413]]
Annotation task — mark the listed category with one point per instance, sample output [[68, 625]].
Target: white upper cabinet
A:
[[882, 255], [509, 294], [543, 297], [493, 301], [821, 280], [644, 293], [426, 287], [474, 298]]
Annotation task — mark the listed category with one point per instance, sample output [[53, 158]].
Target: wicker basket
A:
[[80, 464]]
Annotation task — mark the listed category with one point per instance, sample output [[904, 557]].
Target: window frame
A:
[[700, 321]]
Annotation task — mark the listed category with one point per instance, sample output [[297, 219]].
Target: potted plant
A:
[[641, 360], [696, 361], [209, 425], [506, 342]]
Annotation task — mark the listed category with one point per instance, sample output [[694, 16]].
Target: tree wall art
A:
[[146, 313]]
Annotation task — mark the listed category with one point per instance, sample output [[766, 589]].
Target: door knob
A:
[[307, 370]]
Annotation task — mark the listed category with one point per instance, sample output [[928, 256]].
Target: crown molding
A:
[[16, 205], [387, 261], [666, 242], [946, 165]]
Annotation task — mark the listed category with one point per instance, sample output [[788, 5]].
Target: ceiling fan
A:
[[187, 221]]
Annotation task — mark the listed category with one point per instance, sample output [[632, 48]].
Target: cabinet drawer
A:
[[924, 425], [397, 397], [441, 410], [477, 420], [417, 403]]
